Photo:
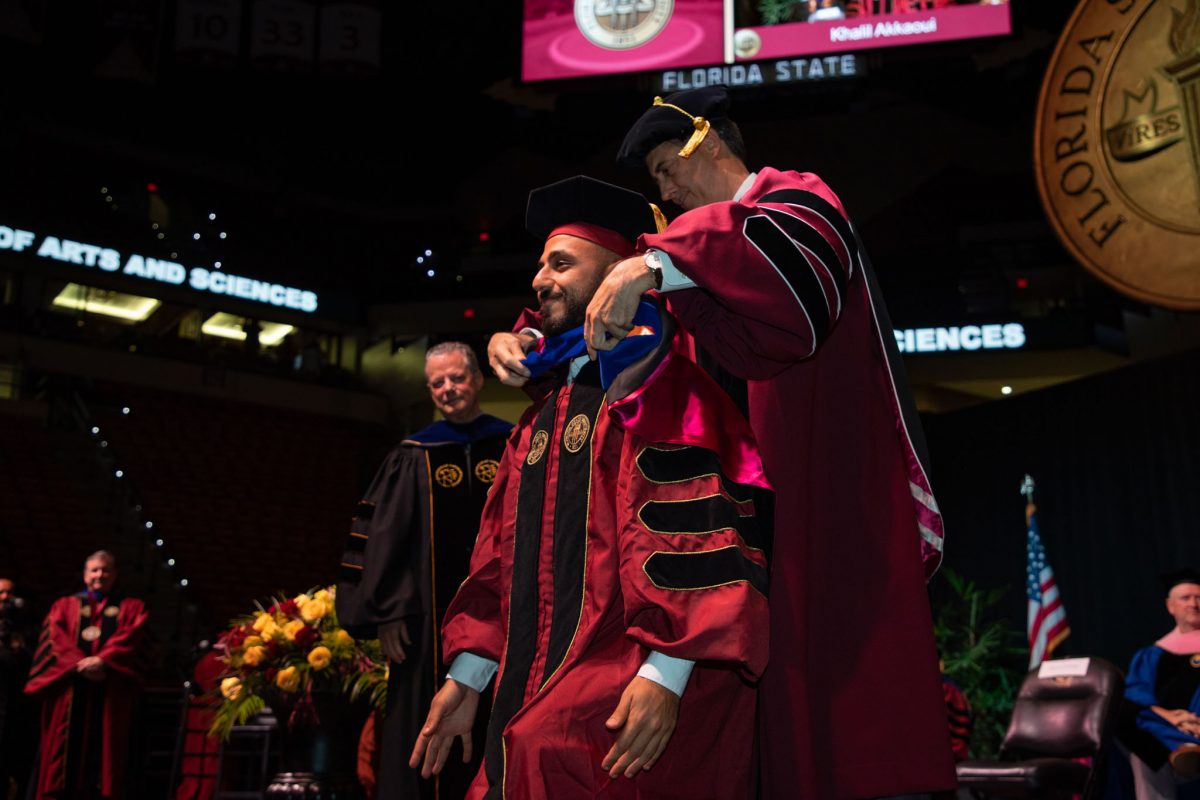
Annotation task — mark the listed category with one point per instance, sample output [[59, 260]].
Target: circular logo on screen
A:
[[746, 43], [622, 24], [1117, 153], [448, 476]]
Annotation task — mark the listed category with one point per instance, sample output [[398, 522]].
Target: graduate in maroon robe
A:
[[620, 575], [87, 672], [766, 272]]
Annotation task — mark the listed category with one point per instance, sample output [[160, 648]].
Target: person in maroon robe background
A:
[[767, 273], [87, 671]]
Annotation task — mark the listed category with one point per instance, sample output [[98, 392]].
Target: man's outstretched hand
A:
[[610, 313], [646, 717], [451, 714]]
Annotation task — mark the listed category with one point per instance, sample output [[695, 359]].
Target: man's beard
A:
[[574, 311]]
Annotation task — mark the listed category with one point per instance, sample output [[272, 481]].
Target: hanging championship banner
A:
[[208, 31], [23, 20], [127, 40], [350, 38], [1117, 146], [283, 35]]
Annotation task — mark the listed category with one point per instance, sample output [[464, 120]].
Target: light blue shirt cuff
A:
[[472, 670], [672, 279], [668, 671]]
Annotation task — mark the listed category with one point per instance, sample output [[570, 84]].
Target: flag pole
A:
[[1027, 487]]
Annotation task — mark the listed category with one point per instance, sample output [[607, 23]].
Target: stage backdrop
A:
[[1116, 458]]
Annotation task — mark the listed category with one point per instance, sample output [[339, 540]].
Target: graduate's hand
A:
[[393, 638], [505, 351], [610, 313], [91, 667], [646, 717], [451, 714]]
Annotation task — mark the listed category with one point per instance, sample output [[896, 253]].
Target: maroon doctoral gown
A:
[[85, 725], [851, 703], [621, 522]]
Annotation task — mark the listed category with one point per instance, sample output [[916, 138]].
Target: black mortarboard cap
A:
[[1185, 575], [684, 116], [584, 200]]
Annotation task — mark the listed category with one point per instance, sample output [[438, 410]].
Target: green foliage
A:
[[236, 712], [983, 654], [774, 12]]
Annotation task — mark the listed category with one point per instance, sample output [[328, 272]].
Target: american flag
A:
[[1047, 618]]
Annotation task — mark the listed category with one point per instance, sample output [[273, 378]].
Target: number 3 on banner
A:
[[350, 36]]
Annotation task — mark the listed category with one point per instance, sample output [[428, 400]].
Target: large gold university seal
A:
[[537, 446], [576, 433], [448, 476], [1117, 152], [485, 470]]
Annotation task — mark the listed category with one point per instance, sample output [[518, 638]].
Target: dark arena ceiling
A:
[[342, 181]]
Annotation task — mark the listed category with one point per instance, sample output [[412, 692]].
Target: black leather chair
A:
[[1054, 722]]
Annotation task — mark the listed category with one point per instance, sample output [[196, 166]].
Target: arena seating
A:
[[43, 518], [249, 500]]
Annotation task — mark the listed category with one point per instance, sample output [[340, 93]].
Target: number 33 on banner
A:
[[283, 33]]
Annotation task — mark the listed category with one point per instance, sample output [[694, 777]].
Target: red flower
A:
[[272, 649], [306, 636], [288, 608], [234, 638], [270, 675]]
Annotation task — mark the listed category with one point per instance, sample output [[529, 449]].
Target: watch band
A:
[[654, 264]]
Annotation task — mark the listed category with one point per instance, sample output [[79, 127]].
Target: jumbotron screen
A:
[[577, 38]]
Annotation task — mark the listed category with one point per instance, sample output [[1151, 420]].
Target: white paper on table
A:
[[1064, 667]]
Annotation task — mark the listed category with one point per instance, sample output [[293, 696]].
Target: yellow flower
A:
[[300, 600], [288, 679], [343, 638], [325, 596], [313, 610], [252, 641], [320, 657], [261, 620], [269, 629], [291, 628], [231, 688], [254, 655]]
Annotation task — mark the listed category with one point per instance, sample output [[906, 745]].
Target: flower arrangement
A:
[[287, 651]]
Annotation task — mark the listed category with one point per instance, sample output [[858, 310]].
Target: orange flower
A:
[[291, 628], [313, 610], [320, 657], [288, 679], [254, 655]]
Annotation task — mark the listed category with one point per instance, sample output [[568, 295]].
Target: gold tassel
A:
[[699, 123], [660, 219]]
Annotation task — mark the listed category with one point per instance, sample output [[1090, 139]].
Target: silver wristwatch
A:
[[654, 263]]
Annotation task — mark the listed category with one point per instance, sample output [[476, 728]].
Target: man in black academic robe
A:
[[409, 549]]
